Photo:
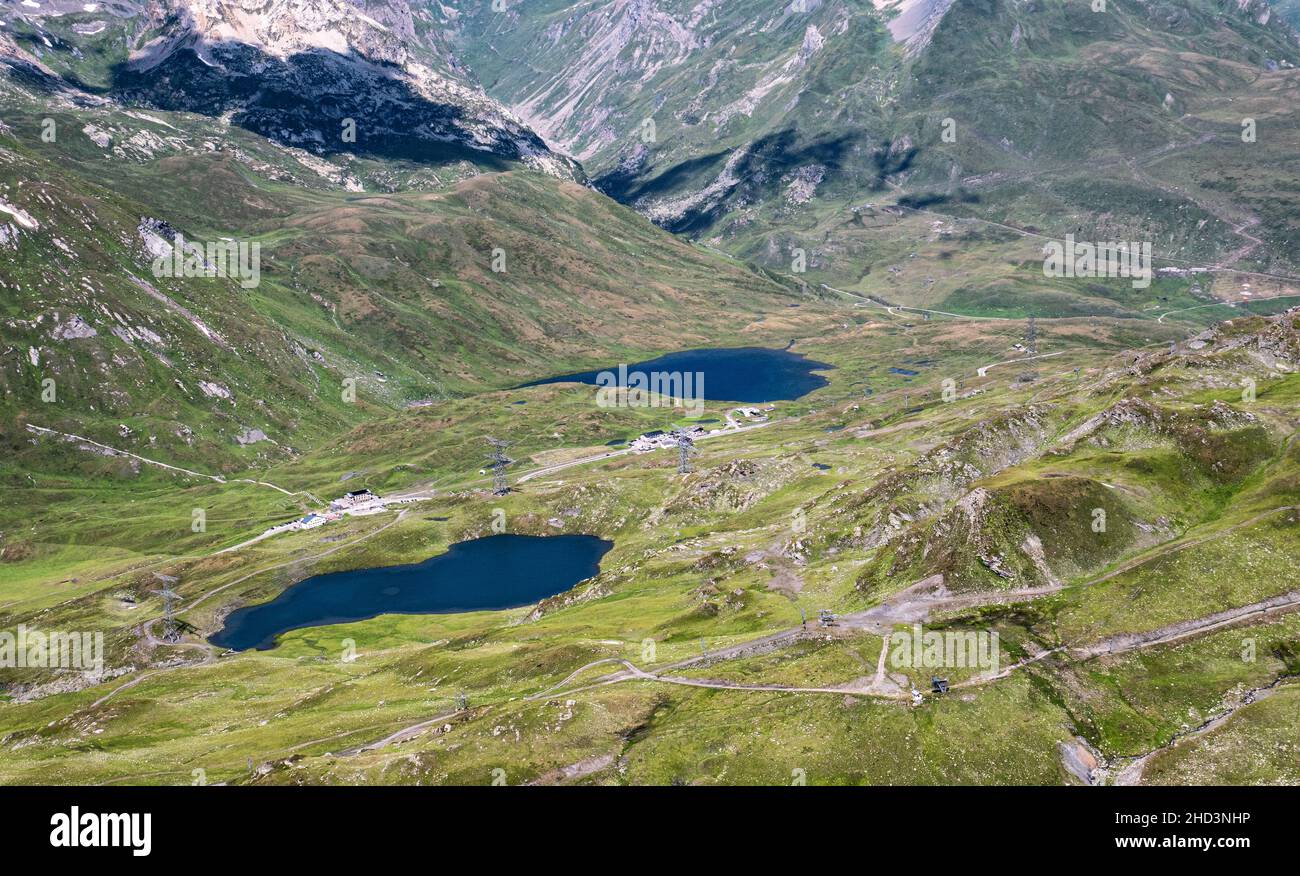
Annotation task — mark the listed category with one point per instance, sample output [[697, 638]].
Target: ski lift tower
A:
[[500, 486]]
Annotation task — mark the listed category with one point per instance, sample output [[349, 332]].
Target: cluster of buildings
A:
[[354, 500], [357, 503], [659, 439], [1180, 272]]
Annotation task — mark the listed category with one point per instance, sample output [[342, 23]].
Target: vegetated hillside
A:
[[424, 279], [1289, 10], [769, 122], [1054, 491], [1119, 125], [1198, 482], [393, 295]]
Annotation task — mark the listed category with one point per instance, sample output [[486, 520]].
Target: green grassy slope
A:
[[938, 463], [714, 559], [395, 292]]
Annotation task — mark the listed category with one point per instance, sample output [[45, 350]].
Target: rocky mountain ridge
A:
[[331, 76]]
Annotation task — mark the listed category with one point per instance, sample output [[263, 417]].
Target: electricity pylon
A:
[[500, 486], [685, 447], [171, 627]]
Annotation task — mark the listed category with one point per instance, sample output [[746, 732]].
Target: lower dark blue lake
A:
[[740, 374], [485, 574]]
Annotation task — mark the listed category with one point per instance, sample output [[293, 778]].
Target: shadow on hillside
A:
[[757, 173], [305, 99]]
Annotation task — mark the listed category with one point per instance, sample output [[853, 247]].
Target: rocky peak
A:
[[304, 72], [382, 31]]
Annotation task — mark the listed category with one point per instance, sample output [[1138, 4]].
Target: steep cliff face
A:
[[368, 77], [746, 123], [686, 109], [379, 31]]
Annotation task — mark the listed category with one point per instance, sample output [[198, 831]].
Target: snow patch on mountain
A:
[[73, 328], [21, 216], [913, 21], [214, 390]]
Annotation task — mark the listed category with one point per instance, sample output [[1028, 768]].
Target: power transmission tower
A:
[[1031, 336], [685, 447], [500, 486], [171, 626]]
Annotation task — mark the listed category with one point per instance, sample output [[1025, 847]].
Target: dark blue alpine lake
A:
[[739, 374], [485, 574]]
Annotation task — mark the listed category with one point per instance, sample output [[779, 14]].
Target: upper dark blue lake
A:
[[485, 574], [740, 374]]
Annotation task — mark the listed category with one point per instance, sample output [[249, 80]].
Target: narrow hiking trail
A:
[[113, 451]]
